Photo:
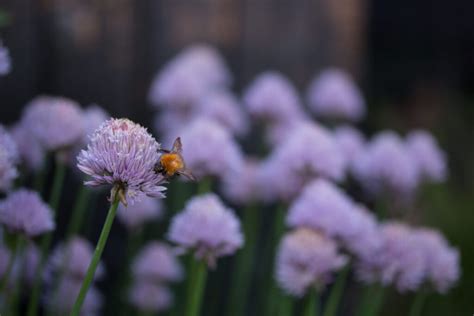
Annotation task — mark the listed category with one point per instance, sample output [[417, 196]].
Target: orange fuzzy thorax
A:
[[171, 163]]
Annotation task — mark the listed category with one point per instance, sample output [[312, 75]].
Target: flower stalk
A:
[[97, 253], [196, 288]]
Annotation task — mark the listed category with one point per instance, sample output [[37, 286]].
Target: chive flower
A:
[[207, 227], [56, 122], [123, 154], [306, 259], [24, 212], [334, 95]]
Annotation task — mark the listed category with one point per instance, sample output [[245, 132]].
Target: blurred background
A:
[[413, 60]]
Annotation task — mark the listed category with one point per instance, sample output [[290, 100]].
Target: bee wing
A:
[[177, 146], [187, 174]]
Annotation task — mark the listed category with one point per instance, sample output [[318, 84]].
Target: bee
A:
[[171, 162]]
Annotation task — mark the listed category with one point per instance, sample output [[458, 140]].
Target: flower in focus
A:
[[24, 212], [224, 108], [61, 300], [8, 160], [209, 149], [386, 166], [430, 158], [55, 121], [156, 262], [32, 154], [72, 260], [309, 152], [306, 259], [207, 227], [5, 60], [272, 98], [136, 215], [123, 154], [334, 95], [150, 297]]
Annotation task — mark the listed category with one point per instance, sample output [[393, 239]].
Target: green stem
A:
[[55, 197], [96, 257], [134, 240], [204, 186], [59, 174], [311, 307], [418, 303], [40, 176], [372, 301], [19, 252], [77, 216], [336, 293], [6, 276], [271, 287], [197, 287], [285, 306], [242, 275]]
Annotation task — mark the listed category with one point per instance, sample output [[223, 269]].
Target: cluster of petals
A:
[[24, 212], [207, 227], [409, 258], [123, 154], [56, 122], [309, 152], [334, 95], [306, 259]]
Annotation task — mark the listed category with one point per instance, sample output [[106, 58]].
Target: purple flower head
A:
[[351, 141], [72, 259], [123, 154], [168, 124], [31, 152], [148, 296], [387, 166], [426, 152], [309, 152], [208, 63], [61, 299], [188, 77], [8, 160], [361, 238], [334, 95], [24, 212], [207, 226], [224, 108], [136, 215], [243, 185], [398, 261], [156, 262], [5, 60], [55, 121], [442, 260], [322, 206], [306, 259], [209, 149], [272, 97]]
